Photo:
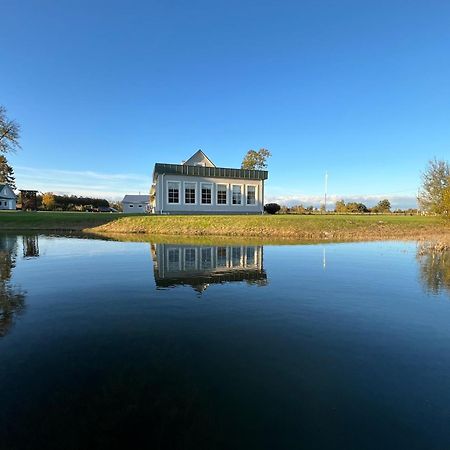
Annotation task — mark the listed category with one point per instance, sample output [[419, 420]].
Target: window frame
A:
[[195, 265], [211, 260], [232, 192], [246, 194], [227, 257], [195, 193], [201, 193], [226, 193], [173, 250], [179, 192], [241, 256]]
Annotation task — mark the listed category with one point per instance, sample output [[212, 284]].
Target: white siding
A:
[[162, 198]]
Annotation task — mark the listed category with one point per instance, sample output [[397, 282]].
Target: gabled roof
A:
[[198, 155], [3, 186], [136, 199]]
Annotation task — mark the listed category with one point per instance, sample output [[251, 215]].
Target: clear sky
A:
[[104, 89]]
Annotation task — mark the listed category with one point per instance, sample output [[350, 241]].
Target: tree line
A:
[[53, 202], [382, 207]]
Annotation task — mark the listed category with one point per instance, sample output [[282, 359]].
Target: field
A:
[[53, 221], [293, 227]]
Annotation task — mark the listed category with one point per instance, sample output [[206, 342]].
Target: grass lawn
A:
[[298, 227], [56, 221]]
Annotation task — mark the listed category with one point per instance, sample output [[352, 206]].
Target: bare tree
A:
[[9, 133]]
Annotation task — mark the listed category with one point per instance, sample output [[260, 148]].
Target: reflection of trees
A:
[[30, 246], [434, 268], [12, 300]]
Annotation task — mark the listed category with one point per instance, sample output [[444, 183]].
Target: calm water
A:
[[338, 346]]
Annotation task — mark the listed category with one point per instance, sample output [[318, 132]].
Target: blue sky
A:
[[104, 89]]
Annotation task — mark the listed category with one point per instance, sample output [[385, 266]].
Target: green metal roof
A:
[[212, 172]]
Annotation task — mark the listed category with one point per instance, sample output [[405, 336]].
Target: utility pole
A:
[[326, 190]]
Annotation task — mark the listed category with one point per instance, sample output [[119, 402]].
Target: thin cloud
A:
[[397, 201], [84, 173], [89, 183]]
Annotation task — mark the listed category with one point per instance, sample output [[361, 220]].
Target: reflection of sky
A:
[[352, 341]]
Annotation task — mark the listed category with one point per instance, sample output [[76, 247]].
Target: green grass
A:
[[56, 221], [289, 226], [299, 227]]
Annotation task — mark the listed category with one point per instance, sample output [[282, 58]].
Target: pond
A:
[[187, 346]]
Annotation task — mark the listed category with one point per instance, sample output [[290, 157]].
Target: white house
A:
[[197, 186], [7, 197], [137, 204]]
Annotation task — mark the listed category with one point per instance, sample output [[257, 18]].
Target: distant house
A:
[[7, 197], [137, 204], [197, 186]]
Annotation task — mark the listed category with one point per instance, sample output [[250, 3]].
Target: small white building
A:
[[7, 197], [136, 204]]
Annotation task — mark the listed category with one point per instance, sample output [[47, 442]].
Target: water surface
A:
[[338, 346]]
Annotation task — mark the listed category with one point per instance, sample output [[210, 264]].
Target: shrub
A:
[[272, 208]]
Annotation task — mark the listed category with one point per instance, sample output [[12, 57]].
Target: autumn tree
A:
[[48, 201], [435, 182], [9, 133], [383, 206], [446, 201], [340, 207], [7, 173], [256, 160]]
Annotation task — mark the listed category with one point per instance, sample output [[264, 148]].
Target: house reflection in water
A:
[[200, 266]]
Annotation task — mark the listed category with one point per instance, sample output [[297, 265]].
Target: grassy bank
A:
[[313, 227]]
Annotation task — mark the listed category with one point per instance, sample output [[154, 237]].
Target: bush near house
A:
[[272, 208]]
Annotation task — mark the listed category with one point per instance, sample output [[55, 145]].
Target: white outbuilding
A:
[[7, 197], [136, 204]]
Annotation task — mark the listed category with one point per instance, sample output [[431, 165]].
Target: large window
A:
[[251, 195], [190, 258], [206, 258], [236, 256], [173, 259], [173, 191], [221, 194], [250, 254], [189, 193], [206, 193], [221, 257], [237, 195]]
